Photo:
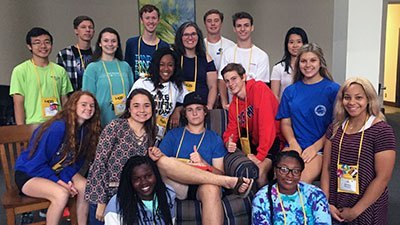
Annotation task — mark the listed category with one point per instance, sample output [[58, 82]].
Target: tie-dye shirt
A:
[[316, 206]]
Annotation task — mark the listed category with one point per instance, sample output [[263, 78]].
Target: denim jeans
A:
[[92, 215]]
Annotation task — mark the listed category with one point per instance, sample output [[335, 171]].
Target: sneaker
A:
[[27, 218]]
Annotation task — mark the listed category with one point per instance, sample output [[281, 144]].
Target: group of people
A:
[[125, 115]]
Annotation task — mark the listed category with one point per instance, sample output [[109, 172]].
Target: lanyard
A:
[[109, 80], [221, 52], [361, 141], [301, 202], [80, 56], [53, 78], [183, 136], [140, 39], [251, 54], [195, 66], [237, 117]]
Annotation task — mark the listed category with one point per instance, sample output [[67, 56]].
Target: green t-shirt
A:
[[25, 81]]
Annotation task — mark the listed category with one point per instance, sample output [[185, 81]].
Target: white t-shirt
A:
[[216, 50], [257, 69], [278, 73]]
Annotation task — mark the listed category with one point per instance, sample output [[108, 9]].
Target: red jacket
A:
[[262, 109]]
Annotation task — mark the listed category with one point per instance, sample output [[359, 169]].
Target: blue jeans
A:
[[92, 215]]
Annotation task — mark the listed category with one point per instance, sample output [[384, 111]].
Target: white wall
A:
[[272, 20]]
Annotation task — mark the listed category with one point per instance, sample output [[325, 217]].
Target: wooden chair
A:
[[13, 139]]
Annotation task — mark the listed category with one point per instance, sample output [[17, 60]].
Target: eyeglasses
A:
[[187, 35], [285, 171], [46, 42]]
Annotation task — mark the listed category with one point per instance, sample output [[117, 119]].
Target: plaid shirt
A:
[[72, 64]]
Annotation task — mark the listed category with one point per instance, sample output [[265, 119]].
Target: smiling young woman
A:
[[107, 76], [287, 200], [49, 167], [131, 134]]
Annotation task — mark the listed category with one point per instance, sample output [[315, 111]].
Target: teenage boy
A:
[[76, 57], [139, 50], [215, 42], [251, 119], [197, 146], [38, 86], [252, 58]]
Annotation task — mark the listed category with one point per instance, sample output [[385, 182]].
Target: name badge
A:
[[245, 143], [118, 102], [49, 106], [190, 86], [348, 181]]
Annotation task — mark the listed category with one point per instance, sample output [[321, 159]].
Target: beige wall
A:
[[272, 20], [392, 50]]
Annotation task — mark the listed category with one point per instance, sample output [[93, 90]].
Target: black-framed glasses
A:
[[285, 171]]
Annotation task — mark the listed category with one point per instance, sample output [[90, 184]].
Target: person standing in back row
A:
[[254, 60], [139, 50]]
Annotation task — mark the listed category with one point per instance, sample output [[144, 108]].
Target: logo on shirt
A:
[[320, 110]]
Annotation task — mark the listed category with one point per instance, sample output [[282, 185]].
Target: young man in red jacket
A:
[[252, 126]]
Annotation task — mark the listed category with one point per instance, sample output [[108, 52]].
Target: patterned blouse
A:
[[316, 206], [117, 143]]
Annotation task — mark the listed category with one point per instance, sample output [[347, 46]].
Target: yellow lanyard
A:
[[220, 54], [301, 202], [195, 66], [237, 117], [251, 54], [80, 56], [109, 80], [183, 136], [53, 78], [360, 146], [140, 39]]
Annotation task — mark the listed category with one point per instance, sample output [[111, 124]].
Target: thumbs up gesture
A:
[[230, 145], [195, 156]]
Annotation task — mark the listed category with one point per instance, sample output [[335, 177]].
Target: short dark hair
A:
[[213, 11], [234, 67], [241, 15], [36, 32], [148, 8], [79, 19]]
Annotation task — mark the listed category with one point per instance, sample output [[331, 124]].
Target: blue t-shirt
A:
[[315, 203], [310, 108], [146, 54], [211, 147]]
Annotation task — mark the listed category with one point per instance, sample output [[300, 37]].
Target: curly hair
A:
[[154, 68], [314, 48], [374, 106], [129, 201], [69, 116]]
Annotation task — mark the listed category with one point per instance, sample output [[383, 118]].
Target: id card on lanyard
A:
[[117, 100], [348, 175], [191, 85], [244, 141], [49, 105]]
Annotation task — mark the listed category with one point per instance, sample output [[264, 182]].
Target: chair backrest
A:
[[13, 139]]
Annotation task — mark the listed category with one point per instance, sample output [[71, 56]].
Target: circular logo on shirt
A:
[[320, 110]]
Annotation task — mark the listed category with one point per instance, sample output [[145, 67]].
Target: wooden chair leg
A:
[[10, 216]]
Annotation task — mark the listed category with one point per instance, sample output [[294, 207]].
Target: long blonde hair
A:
[[314, 48], [373, 107]]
